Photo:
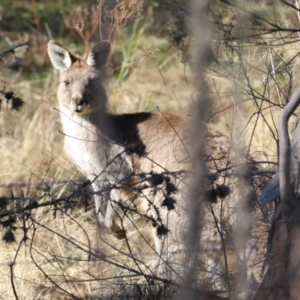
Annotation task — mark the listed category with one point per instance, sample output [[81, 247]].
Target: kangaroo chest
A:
[[91, 151]]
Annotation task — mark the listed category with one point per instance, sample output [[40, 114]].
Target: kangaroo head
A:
[[80, 89]]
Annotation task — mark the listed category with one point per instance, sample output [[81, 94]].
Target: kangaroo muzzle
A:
[[77, 106]]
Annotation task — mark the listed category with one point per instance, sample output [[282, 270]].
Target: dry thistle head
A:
[[83, 20], [119, 15], [15, 101], [127, 10], [149, 53]]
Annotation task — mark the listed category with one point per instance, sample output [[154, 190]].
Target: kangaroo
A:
[[126, 148], [100, 143]]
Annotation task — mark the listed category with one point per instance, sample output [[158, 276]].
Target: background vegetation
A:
[[251, 72]]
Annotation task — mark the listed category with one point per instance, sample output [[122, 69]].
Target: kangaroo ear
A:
[[60, 57], [98, 56]]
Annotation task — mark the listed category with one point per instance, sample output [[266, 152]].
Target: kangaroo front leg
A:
[[112, 212], [106, 211]]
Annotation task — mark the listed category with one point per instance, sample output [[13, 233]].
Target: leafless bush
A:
[[15, 102]]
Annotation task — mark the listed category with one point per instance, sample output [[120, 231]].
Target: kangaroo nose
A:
[[77, 104], [77, 98]]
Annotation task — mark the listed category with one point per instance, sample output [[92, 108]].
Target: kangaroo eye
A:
[[67, 83]]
